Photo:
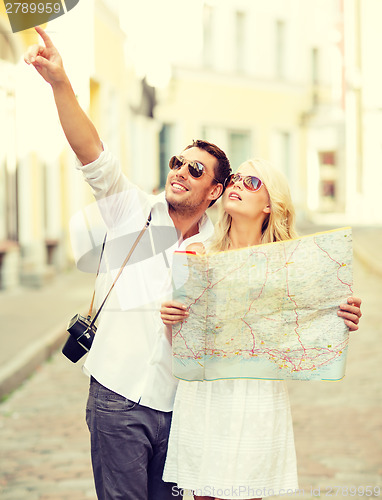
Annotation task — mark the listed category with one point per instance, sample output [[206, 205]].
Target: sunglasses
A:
[[195, 168], [250, 182]]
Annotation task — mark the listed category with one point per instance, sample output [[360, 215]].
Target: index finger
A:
[[175, 304], [48, 42]]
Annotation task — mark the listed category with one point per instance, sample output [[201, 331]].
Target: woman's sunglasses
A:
[[195, 168], [250, 182]]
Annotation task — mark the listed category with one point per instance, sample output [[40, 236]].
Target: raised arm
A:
[[79, 130]]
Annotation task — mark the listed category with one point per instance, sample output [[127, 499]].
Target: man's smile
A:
[[178, 187]]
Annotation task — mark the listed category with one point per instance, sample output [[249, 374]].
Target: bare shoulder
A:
[[198, 248]]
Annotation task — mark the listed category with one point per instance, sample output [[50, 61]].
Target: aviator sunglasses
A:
[[195, 168], [250, 182]]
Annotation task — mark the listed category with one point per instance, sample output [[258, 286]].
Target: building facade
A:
[[293, 81], [41, 192]]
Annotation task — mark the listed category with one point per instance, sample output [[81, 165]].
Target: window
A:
[[12, 228], [315, 77], [165, 152], [327, 158], [315, 66], [8, 161], [285, 145], [328, 179], [208, 36], [280, 49], [239, 148], [111, 119], [240, 27], [281, 154]]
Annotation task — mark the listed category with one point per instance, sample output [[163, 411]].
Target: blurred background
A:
[[293, 81]]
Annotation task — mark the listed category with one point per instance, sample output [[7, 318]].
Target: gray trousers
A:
[[128, 447]]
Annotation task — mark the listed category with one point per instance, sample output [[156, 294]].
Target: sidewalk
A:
[[44, 452], [33, 324], [367, 248], [33, 321]]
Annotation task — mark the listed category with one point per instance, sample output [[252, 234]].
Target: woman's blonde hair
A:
[[279, 225]]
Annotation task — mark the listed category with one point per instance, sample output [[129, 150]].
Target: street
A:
[[44, 442]]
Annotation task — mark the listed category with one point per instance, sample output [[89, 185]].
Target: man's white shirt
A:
[[130, 354]]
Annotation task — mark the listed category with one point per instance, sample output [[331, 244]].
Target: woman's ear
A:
[[267, 209]]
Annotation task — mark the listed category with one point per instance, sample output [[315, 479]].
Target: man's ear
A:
[[216, 191]]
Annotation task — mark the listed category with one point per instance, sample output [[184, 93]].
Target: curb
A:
[[22, 366], [366, 260], [29, 359]]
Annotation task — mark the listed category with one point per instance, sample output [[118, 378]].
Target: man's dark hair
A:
[[223, 168]]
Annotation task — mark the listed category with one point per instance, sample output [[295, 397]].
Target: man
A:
[[132, 388]]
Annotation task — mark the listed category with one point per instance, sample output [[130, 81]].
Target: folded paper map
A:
[[265, 312]]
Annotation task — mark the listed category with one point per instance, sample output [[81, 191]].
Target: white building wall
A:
[[363, 39]]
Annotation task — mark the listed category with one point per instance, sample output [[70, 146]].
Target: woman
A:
[[233, 439]]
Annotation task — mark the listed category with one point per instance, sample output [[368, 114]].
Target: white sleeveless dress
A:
[[232, 439]]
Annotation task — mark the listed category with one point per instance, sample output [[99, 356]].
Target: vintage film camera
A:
[[81, 337]]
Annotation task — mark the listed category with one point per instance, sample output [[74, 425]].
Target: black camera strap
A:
[[147, 223]]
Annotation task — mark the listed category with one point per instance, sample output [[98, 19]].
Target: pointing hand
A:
[[46, 59]]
